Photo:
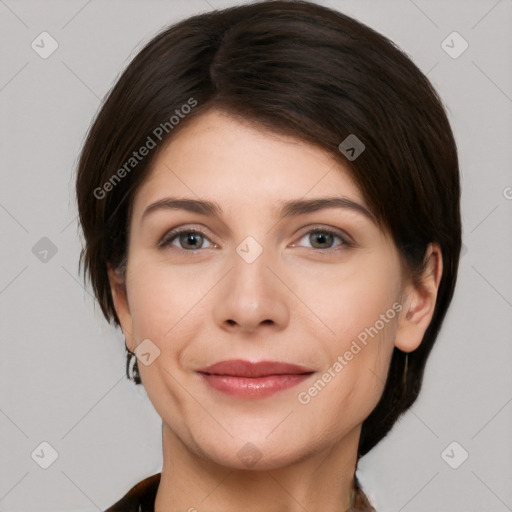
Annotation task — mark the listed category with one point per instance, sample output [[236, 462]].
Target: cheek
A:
[[359, 312], [348, 299], [163, 300], [163, 311], [351, 383]]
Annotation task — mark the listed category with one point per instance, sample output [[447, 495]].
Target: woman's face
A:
[[258, 284]]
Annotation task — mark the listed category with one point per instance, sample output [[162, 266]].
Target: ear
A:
[[419, 302], [120, 298]]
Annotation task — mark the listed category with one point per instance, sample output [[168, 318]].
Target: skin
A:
[[303, 300]]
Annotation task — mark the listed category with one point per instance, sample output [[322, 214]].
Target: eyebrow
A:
[[289, 208]]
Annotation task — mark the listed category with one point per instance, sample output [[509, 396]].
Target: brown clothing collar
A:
[[141, 498]]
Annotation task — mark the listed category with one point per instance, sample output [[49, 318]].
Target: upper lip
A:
[[241, 368]]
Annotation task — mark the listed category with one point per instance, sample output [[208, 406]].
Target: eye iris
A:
[[323, 237], [185, 238]]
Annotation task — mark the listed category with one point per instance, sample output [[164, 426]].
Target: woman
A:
[[270, 204]]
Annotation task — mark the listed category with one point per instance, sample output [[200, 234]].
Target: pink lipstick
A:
[[253, 380]]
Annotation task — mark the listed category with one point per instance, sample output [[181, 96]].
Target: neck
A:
[[319, 481]]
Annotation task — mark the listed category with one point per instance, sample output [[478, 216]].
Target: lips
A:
[[253, 380], [241, 368]]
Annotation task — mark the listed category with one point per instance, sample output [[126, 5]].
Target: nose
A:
[[252, 296]]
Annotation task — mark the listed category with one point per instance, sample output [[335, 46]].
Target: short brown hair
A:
[[298, 68]]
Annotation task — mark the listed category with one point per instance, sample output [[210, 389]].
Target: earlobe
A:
[[419, 302]]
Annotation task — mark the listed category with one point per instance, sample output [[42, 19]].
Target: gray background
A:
[[62, 366]]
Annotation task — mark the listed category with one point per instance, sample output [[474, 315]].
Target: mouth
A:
[[253, 380]]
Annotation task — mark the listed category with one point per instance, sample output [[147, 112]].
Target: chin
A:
[[250, 449], [252, 456]]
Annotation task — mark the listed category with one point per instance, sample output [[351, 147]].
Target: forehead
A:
[[240, 164]]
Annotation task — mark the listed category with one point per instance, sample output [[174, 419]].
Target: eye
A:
[[189, 239], [321, 238], [193, 239]]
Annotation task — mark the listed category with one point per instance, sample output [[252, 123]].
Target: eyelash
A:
[[170, 236]]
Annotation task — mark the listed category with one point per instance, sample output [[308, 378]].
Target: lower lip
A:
[[258, 387]]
